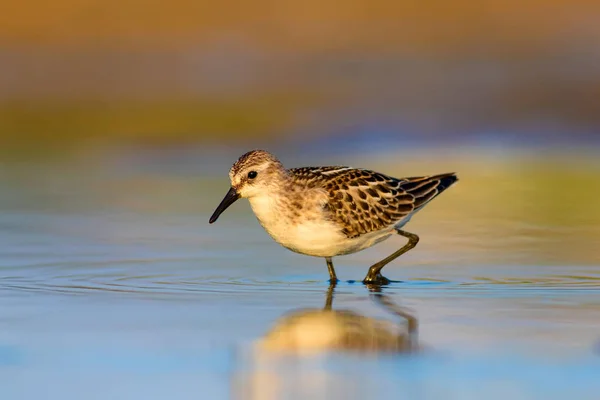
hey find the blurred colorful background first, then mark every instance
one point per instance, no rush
(76, 72)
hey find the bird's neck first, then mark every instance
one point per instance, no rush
(267, 206)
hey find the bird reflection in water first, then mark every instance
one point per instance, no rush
(281, 364)
(309, 331)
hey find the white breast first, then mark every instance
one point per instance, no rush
(311, 233)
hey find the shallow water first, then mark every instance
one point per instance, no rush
(114, 285)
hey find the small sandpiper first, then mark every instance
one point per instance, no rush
(330, 211)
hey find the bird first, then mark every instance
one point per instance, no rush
(330, 211)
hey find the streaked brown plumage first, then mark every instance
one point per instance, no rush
(363, 201)
(330, 211)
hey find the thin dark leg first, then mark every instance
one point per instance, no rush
(329, 298)
(332, 277)
(374, 275)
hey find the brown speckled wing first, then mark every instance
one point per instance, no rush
(363, 201)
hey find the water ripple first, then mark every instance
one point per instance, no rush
(173, 284)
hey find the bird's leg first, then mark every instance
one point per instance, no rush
(332, 277)
(329, 298)
(374, 275)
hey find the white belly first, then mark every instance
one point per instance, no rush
(310, 232)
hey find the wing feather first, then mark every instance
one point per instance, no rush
(363, 201)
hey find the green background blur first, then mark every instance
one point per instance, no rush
(84, 72)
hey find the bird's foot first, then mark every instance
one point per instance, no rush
(376, 279)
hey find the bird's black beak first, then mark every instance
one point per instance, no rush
(228, 200)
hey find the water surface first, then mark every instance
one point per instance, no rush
(113, 285)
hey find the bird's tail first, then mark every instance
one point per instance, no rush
(426, 188)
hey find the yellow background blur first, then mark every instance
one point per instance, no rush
(75, 70)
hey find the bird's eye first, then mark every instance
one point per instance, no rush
(252, 174)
